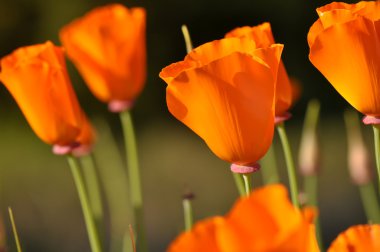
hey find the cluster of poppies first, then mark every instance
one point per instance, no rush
(233, 92)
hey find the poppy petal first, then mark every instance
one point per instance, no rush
(360, 238)
(228, 103)
(202, 237)
(353, 61)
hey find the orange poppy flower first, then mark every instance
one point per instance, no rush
(344, 47)
(224, 92)
(264, 221)
(360, 238)
(107, 46)
(37, 78)
(263, 37)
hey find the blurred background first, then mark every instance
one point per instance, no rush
(39, 187)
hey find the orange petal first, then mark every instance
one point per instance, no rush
(360, 238)
(334, 17)
(260, 34)
(36, 77)
(261, 216)
(368, 9)
(348, 56)
(228, 103)
(328, 18)
(264, 221)
(262, 37)
(107, 46)
(283, 91)
(200, 238)
(217, 49)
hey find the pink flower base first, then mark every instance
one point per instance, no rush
(64, 149)
(117, 106)
(282, 118)
(245, 169)
(370, 120)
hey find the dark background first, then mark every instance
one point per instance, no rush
(38, 185)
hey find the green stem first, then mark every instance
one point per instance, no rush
(311, 188)
(115, 183)
(129, 241)
(134, 178)
(289, 164)
(93, 187)
(270, 172)
(14, 229)
(88, 217)
(370, 202)
(188, 214)
(376, 136)
(239, 183)
(247, 183)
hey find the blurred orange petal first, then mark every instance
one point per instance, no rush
(202, 237)
(360, 238)
(37, 78)
(107, 45)
(264, 221)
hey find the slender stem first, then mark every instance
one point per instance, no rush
(289, 164)
(129, 240)
(370, 202)
(134, 178)
(186, 36)
(14, 229)
(270, 172)
(93, 187)
(88, 217)
(247, 183)
(115, 184)
(239, 183)
(311, 188)
(188, 213)
(376, 136)
(132, 236)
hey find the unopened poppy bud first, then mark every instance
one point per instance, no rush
(358, 161)
(309, 155)
(309, 148)
(358, 164)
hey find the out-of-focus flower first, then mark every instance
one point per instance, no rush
(309, 154)
(264, 221)
(37, 78)
(360, 238)
(344, 47)
(107, 45)
(224, 91)
(359, 164)
(263, 37)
